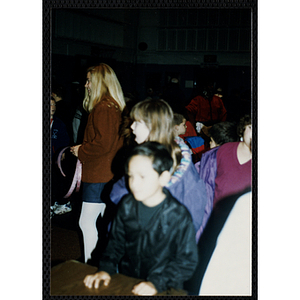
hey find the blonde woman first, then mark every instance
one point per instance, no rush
(104, 102)
(153, 121)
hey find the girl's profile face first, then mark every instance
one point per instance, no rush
(88, 83)
(182, 127)
(140, 130)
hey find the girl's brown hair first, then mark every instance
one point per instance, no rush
(158, 117)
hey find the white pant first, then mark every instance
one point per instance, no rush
(87, 222)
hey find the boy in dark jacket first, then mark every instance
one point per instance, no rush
(152, 237)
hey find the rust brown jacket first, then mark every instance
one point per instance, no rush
(101, 141)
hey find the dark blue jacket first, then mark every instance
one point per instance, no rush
(59, 136)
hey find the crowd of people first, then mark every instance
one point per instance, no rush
(160, 169)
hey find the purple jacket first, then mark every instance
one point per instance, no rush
(188, 190)
(207, 169)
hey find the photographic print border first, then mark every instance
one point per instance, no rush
(47, 11)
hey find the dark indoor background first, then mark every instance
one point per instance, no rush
(147, 47)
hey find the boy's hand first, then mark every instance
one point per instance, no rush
(145, 288)
(96, 278)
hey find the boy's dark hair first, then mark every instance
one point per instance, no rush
(244, 121)
(158, 153)
(223, 132)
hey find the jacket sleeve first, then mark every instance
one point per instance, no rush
(208, 172)
(192, 107)
(191, 192)
(102, 130)
(222, 111)
(115, 249)
(183, 264)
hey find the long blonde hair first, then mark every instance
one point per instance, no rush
(104, 82)
(158, 117)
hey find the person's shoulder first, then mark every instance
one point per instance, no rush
(208, 157)
(198, 97)
(227, 149)
(109, 102)
(126, 206)
(179, 213)
(57, 121)
(210, 152)
(174, 204)
(217, 99)
(127, 200)
(228, 146)
(107, 105)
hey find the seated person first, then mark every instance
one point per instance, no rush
(196, 143)
(220, 133)
(234, 163)
(189, 128)
(180, 127)
(152, 236)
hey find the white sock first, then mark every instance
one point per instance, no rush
(87, 222)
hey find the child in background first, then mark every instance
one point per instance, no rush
(153, 121)
(152, 236)
(196, 143)
(59, 134)
(59, 140)
(221, 133)
(179, 125)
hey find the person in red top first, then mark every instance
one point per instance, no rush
(105, 102)
(190, 130)
(234, 163)
(207, 109)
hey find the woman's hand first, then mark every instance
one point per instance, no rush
(95, 279)
(145, 288)
(74, 150)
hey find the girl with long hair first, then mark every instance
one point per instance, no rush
(153, 121)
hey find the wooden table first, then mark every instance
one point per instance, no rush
(67, 279)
